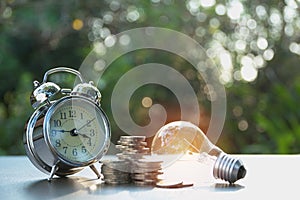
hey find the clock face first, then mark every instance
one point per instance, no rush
(77, 130)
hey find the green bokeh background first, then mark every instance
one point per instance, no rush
(255, 44)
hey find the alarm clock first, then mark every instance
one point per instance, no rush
(68, 130)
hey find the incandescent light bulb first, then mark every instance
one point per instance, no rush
(179, 138)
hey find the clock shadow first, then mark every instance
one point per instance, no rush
(57, 187)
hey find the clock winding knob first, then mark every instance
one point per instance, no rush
(87, 90)
(42, 93)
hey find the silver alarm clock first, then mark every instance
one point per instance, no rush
(68, 130)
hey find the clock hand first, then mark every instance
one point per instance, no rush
(83, 135)
(86, 124)
(62, 131)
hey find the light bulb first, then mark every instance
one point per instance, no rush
(180, 137)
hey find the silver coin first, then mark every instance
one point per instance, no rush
(116, 169)
(115, 163)
(143, 177)
(150, 162)
(142, 183)
(136, 151)
(142, 171)
(116, 182)
(132, 137)
(144, 166)
(129, 156)
(132, 143)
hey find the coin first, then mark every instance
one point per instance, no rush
(131, 165)
(169, 184)
(173, 184)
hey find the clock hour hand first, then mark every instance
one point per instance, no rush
(83, 135)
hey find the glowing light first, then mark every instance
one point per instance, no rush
(132, 14)
(248, 73)
(99, 65)
(237, 111)
(110, 41)
(275, 18)
(268, 54)
(289, 30)
(124, 40)
(7, 13)
(225, 60)
(251, 23)
(243, 125)
(246, 60)
(237, 75)
(147, 102)
(262, 43)
(261, 11)
(100, 49)
(207, 3)
(220, 9)
(225, 77)
(108, 18)
(77, 24)
(259, 61)
(93, 188)
(114, 5)
(240, 45)
(235, 10)
(104, 32)
(214, 23)
(292, 3)
(289, 14)
(200, 31)
(295, 48)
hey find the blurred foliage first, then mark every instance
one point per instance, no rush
(255, 45)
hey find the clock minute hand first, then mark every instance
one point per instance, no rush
(86, 124)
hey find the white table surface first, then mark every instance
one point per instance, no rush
(268, 177)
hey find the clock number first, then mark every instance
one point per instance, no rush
(72, 113)
(63, 115)
(88, 124)
(81, 115)
(74, 152)
(65, 149)
(57, 143)
(53, 133)
(89, 142)
(57, 123)
(92, 132)
(83, 149)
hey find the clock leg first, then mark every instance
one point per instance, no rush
(53, 171)
(95, 171)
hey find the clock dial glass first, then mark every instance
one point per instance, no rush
(77, 130)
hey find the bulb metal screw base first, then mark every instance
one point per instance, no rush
(228, 168)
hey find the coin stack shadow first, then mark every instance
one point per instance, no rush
(132, 166)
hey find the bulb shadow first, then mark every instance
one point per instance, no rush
(226, 187)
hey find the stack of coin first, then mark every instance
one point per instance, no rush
(132, 148)
(132, 166)
(146, 172)
(116, 171)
